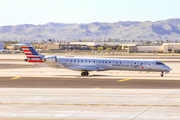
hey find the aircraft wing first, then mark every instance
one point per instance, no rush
(82, 68)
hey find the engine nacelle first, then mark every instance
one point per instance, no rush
(50, 59)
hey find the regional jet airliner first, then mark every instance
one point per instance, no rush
(93, 64)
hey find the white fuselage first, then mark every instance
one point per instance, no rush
(100, 64)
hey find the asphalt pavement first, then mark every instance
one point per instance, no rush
(89, 82)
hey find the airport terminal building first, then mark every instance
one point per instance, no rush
(165, 48)
(133, 47)
(126, 47)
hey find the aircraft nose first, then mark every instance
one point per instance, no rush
(168, 68)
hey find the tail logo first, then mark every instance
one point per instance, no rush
(32, 55)
(142, 65)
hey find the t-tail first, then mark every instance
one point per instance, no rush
(32, 55)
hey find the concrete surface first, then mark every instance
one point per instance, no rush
(89, 104)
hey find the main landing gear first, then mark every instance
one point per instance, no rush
(85, 73)
(162, 74)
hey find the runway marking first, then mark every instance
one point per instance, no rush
(123, 80)
(5, 103)
(16, 77)
(134, 105)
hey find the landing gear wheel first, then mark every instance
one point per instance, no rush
(87, 73)
(83, 73)
(162, 74)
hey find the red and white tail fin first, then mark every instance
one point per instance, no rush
(31, 53)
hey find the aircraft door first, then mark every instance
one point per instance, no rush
(149, 66)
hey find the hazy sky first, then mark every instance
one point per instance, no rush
(13, 12)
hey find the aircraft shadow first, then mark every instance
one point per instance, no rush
(79, 76)
(83, 76)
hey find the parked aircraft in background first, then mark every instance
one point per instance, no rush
(5, 51)
(16, 51)
(85, 65)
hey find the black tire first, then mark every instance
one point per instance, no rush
(87, 73)
(83, 74)
(162, 74)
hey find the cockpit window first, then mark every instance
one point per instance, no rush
(159, 63)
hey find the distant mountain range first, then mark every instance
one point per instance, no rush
(129, 30)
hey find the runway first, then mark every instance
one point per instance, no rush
(88, 82)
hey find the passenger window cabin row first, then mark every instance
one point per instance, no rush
(90, 61)
(87, 61)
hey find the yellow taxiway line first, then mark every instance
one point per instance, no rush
(16, 77)
(123, 80)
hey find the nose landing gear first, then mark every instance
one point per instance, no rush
(85, 73)
(162, 74)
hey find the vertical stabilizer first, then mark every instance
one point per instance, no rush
(31, 54)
